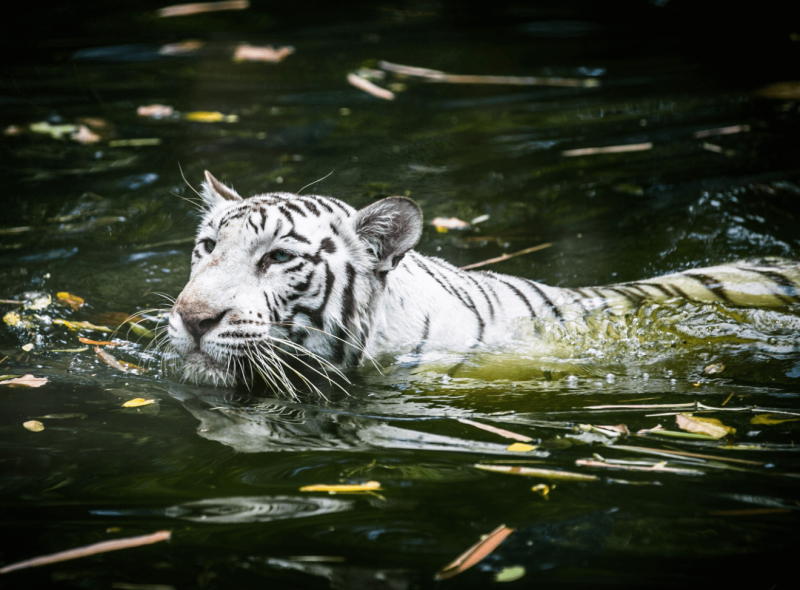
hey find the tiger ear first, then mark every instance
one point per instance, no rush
(214, 192)
(390, 227)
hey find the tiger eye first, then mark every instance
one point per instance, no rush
(208, 245)
(281, 256)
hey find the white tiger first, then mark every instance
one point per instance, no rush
(284, 285)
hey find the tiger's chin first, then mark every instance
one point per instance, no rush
(201, 369)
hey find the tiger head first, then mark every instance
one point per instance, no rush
(285, 285)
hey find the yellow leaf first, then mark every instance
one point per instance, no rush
(27, 381)
(27, 347)
(708, 426)
(73, 301)
(509, 574)
(769, 419)
(75, 326)
(12, 318)
(520, 447)
(369, 486)
(210, 117)
(542, 489)
(139, 401)
(140, 330)
(33, 425)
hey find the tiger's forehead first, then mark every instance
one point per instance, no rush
(262, 213)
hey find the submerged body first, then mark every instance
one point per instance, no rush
(284, 284)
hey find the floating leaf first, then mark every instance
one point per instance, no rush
(714, 369)
(475, 553)
(85, 135)
(27, 347)
(709, 426)
(770, 419)
(33, 425)
(542, 489)
(26, 381)
(137, 402)
(245, 52)
(369, 486)
(536, 472)
(155, 111)
(509, 574)
(520, 447)
(140, 330)
(73, 301)
(442, 224)
(13, 319)
(39, 303)
(210, 117)
(75, 326)
(98, 342)
(116, 363)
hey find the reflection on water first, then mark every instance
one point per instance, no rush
(255, 509)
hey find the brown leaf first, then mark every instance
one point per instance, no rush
(98, 342)
(26, 381)
(116, 363)
(475, 553)
(708, 426)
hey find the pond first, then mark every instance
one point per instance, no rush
(633, 139)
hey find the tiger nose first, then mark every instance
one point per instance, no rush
(202, 322)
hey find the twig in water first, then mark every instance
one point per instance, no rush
(611, 149)
(369, 87)
(437, 76)
(102, 547)
(507, 256)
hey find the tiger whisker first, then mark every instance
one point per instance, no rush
(322, 372)
(315, 182)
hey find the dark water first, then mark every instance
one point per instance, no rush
(110, 222)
